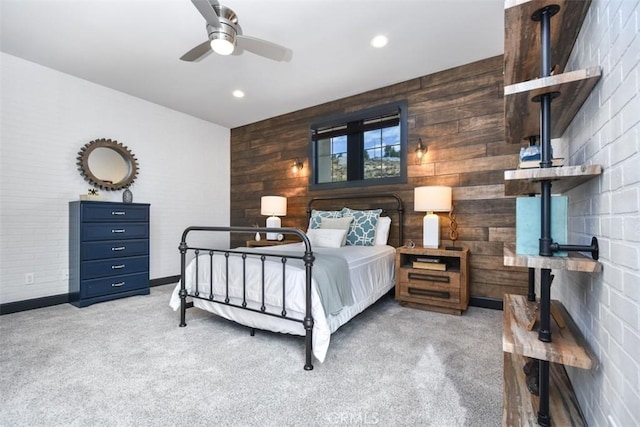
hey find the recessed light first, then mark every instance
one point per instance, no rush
(238, 93)
(379, 41)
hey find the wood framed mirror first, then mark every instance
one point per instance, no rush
(107, 164)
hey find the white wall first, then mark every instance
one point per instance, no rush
(46, 117)
(606, 306)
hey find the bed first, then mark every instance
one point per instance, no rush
(310, 288)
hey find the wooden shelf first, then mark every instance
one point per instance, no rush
(573, 262)
(568, 346)
(520, 408)
(522, 115)
(522, 36)
(527, 181)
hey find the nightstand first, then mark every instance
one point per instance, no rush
(260, 243)
(433, 279)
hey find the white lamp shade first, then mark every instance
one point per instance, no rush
(273, 205)
(436, 198)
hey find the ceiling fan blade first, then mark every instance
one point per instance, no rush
(197, 53)
(264, 48)
(205, 7)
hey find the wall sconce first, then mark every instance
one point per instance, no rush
(421, 150)
(297, 166)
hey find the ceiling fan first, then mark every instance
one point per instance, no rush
(225, 36)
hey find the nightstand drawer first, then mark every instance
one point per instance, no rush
(422, 292)
(428, 278)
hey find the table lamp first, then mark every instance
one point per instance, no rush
(432, 199)
(274, 207)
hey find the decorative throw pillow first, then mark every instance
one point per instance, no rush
(326, 237)
(316, 217)
(363, 228)
(337, 223)
(382, 230)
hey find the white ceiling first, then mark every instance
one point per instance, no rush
(133, 46)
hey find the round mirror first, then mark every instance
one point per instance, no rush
(107, 164)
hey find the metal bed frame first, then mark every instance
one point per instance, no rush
(308, 258)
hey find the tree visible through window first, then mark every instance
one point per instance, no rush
(362, 148)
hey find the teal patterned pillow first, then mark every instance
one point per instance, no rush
(316, 217)
(362, 231)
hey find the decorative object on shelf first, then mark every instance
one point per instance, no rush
(127, 196)
(528, 218)
(453, 231)
(432, 199)
(107, 164)
(421, 150)
(297, 166)
(257, 237)
(274, 207)
(92, 194)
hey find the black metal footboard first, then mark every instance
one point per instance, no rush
(205, 291)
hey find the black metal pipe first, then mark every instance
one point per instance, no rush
(531, 294)
(544, 419)
(183, 291)
(593, 248)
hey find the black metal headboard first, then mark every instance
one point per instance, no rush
(378, 198)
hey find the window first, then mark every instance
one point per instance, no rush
(363, 148)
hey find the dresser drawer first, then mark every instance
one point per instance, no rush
(113, 285)
(114, 212)
(114, 230)
(114, 266)
(114, 248)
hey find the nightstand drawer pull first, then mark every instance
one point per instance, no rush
(119, 248)
(428, 277)
(429, 293)
(117, 285)
(117, 267)
(118, 213)
(118, 230)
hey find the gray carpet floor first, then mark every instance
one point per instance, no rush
(127, 363)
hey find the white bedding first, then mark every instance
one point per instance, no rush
(371, 269)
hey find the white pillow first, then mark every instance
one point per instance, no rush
(337, 224)
(382, 230)
(327, 237)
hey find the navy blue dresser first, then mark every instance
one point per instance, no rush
(108, 251)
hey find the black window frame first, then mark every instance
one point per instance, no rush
(355, 169)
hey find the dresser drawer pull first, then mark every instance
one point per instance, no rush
(119, 248)
(117, 285)
(429, 277)
(118, 213)
(428, 293)
(117, 267)
(118, 230)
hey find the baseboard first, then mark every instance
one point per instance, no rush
(30, 304)
(164, 280)
(484, 302)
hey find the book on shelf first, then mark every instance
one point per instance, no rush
(531, 164)
(428, 265)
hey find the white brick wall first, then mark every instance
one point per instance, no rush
(606, 306)
(45, 118)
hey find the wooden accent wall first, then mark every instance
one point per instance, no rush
(458, 113)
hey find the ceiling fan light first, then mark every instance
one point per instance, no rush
(222, 46)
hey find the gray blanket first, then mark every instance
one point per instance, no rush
(331, 274)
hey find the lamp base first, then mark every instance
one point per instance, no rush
(273, 222)
(431, 231)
